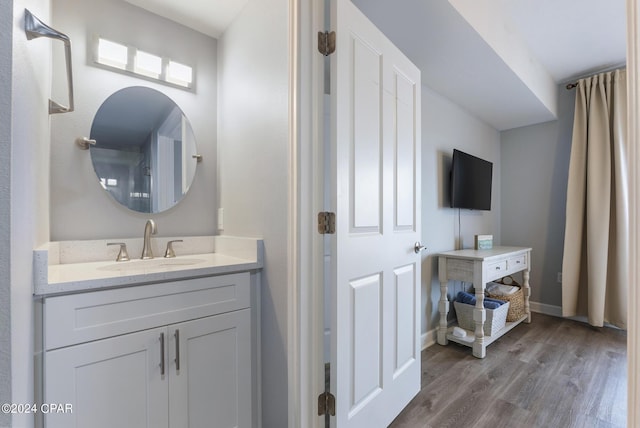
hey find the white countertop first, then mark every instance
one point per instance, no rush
(53, 277)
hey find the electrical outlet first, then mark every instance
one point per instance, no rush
(559, 278)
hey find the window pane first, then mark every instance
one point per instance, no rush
(180, 74)
(147, 64)
(113, 54)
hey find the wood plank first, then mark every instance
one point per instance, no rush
(551, 373)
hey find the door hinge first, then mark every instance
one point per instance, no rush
(326, 42)
(326, 223)
(326, 404)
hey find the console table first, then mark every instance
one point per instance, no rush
(480, 267)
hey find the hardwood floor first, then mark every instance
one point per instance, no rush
(552, 373)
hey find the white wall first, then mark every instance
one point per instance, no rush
(483, 15)
(535, 165)
(6, 28)
(253, 170)
(29, 226)
(80, 209)
(446, 126)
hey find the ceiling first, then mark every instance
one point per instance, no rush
(572, 38)
(210, 17)
(502, 60)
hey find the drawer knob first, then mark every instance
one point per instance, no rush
(497, 267)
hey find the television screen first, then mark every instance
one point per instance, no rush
(470, 182)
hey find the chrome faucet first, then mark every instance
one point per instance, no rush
(149, 229)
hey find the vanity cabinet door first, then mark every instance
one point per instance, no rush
(115, 382)
(211, 388)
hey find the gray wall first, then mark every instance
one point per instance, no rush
(80, 209)
(6, 15)
(535, 165)
(446, 126)
(253, 171)
(29, 223)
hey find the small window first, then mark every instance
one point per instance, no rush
(112, 54)
(140, 63)
(179, 74)
(148, 65)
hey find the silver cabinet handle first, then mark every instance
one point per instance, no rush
(177, 336)
(34, 28)
(161, 354)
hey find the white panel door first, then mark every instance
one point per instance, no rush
(116, 382)
(375, 105)
(210, 372)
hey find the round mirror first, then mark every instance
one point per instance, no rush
(145, 151)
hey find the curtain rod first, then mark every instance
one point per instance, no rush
(575, 84)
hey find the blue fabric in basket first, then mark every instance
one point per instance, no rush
(470, 299)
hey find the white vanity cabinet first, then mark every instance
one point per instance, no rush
(175, 354)
(212, 387)
(110, 382)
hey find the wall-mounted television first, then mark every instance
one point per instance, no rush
(470, 182)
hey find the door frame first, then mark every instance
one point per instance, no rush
(305, 325)
(305, 318)
(633, 325)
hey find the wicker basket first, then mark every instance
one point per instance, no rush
(516, 301)
(494, 322)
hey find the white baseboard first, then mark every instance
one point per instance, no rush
(543, 308)
(428, 339)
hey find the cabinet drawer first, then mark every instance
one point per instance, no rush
(496, 269)
(517, 263)
(461, 270)
(79, 318)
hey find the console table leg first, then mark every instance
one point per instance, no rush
(479, 348)
(479, 316)
(526, 292)
(443, 308)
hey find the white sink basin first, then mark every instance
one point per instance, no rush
(145, 265)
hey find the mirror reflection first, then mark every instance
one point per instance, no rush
(145, 149)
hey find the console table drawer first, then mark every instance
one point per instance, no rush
(516, 264)
(496, 269)
(506, 267)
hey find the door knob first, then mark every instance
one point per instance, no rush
(418, 247)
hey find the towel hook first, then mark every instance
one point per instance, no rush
(35, 28)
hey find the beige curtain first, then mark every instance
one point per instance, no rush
(594, 268)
